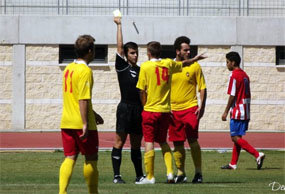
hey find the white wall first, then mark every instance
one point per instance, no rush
(202, 30)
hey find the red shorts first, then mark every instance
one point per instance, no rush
(184, 125)
(72, 144)
(155, 126)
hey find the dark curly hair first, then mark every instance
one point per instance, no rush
(180, 40)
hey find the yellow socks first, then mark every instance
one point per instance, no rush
(90, 172)
(149, 164)
(179, 158)
(166, 151)
(65, 173)
(196, 156)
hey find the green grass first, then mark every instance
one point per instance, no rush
(37, 172)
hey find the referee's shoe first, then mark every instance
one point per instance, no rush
(118, 180)
(198, 178)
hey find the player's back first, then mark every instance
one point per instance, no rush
(157, 77)
(77, 84)
(72, 76)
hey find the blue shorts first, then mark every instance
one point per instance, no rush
(238, 127)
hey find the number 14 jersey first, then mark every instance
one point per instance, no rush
(155, 78)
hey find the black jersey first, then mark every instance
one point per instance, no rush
(128, 78)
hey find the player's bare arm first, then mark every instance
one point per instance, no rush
(83, 106)
(229, 105)
(99, 119)
(200, 57)
(203, 97)
(192, 60)
(120, 49)
(143, 96)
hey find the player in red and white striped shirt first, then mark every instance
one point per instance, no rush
(239, 87)
(239, 106)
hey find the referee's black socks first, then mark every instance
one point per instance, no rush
(137, 161)
(116, 160)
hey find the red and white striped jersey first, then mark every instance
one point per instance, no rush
(240, 88)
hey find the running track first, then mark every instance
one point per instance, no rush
(208, 140)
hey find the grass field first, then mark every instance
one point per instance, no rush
(37, 172)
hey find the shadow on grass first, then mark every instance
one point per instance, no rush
(264, 168)
(225, 182)
(222, 182)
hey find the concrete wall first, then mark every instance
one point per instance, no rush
(42, 98)
(6, 86)
(202, 30)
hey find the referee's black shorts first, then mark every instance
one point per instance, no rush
(129, 119)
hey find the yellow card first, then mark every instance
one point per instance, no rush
(117, 13)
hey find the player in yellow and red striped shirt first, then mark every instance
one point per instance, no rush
(78, 122)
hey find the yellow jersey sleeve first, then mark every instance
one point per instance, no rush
(171, 65)
(84, 85)
(141, 84)
(176, 66)
(201, 84)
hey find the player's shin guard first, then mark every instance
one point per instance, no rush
(235, 154)
(196, 156)
(149, 164)
(65, 173)
(247, 147)
(90, 172)
(166, 151)
(116, 160)
(137, 161)
(179, 158)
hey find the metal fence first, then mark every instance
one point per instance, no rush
(145, 7)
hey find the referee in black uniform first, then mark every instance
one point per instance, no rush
(129, 109)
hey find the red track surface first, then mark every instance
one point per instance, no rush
(208, 140)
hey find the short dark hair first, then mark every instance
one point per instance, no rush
(154, 48)
(180, 40)
(234, 56)
(83, 44)
(130, 45)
